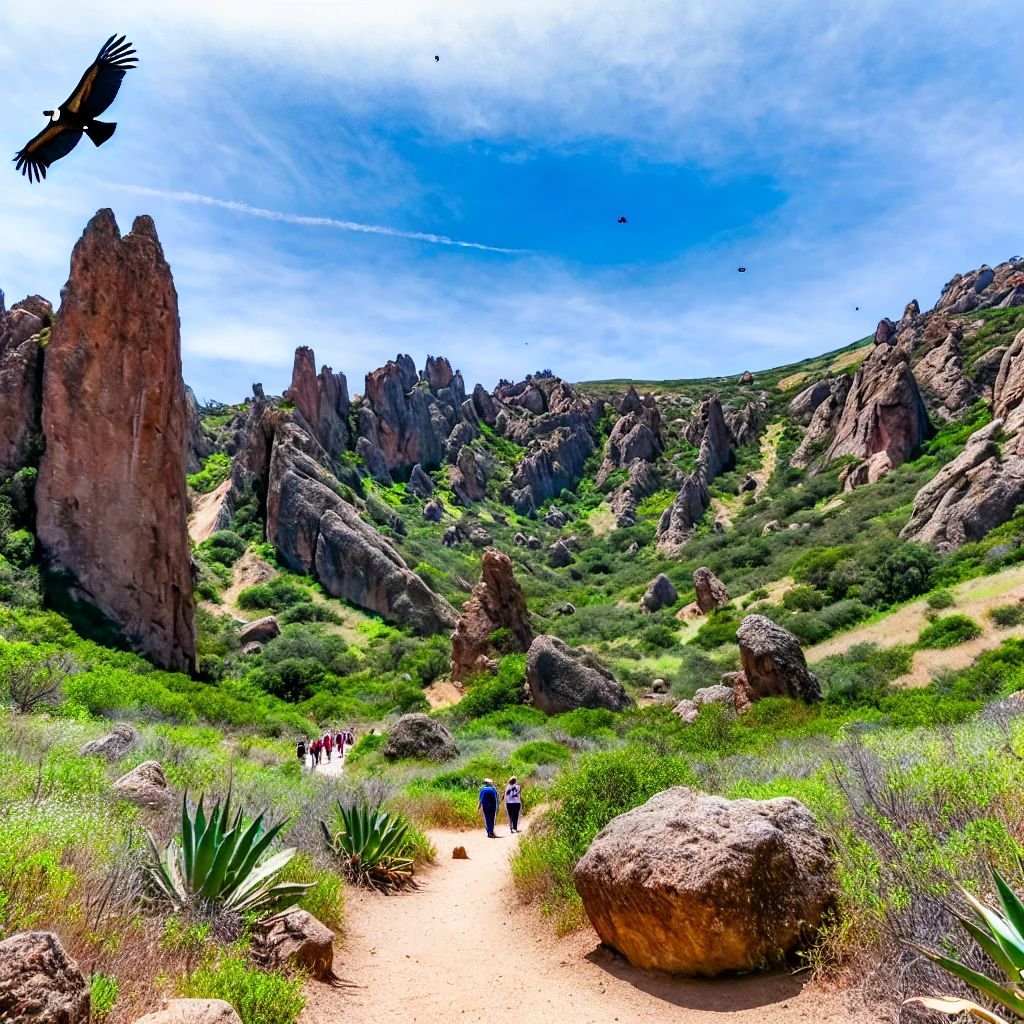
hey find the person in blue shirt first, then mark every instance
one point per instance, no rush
(489, 805)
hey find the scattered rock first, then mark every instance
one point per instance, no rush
(659, 686)
(433, 511)
(296, 939)
(747, 378)
(451, 537)
(773, 662)
(420, 484)
(193, 1011)
(40, 983)
(519, 540)
(121, 740)
(533, 543)
(700, 885)
(659, 594)
(459, 853)
(145, 785)
(260, 630)
(559, 555)
(556, 518)
(560, 678)
(252, 648)
(772, 526)
(421, 737)
(566, 609)
(749, 484)
(711, 591)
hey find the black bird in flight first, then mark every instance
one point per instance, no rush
(436, 57)
(741, 270)
(622, 220)
(78, 113)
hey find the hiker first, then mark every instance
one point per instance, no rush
(300, 751)
(314, 749)
(339, 742)
(489, 805)
(513, 803)
(350, 737)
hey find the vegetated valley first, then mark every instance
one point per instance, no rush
(801, 582)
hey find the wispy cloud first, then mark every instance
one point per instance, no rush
(307, 221)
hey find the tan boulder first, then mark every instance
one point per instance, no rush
(259, 631)
(40, 983)
(145, 785)
(700, 885)
(121, 740)
(711, 591)
(295, 938)
(192, 1011)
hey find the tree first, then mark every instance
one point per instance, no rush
(33, 684)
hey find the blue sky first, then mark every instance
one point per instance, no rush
(848, 154)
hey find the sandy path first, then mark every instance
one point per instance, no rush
(205, 510)
(974, 598)
(462, 949)
(725, 508)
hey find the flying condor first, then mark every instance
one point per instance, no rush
(78, 113)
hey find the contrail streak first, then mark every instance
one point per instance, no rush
(316, 222)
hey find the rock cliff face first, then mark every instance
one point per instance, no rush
(321, 402)
(20, 380)
(941, 374)
(636, 435)
(111, 488)
(197, 445)
(497, 602)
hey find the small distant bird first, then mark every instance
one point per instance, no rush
(436, 57)
(856, 307)
(741, 270)
(78, 113)
(622, 220)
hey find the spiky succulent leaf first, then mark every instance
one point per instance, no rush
(954, 1007)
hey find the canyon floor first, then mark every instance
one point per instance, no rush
(462, 948)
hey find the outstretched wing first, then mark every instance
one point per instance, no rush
(99, 85)
(50, 144)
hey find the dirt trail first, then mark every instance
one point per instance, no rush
(723, 509)
(974, 598)
(205, 510)
(462, 949)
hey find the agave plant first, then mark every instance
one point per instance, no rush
(221, 861)
(1000, 933)
(371, 846)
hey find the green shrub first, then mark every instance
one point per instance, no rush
(949, 631)
(325, 897)
(657, 637)
(586, 723)
(308, 611)
(259, 996)
(102, 995)
(803, 599)
(720, 628)
(939, 599)
(1007, 615)
(493, 693)
(216, 469)
(540, 752)
(276, 595)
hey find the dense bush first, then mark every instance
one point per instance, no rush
(493, 693)
(259, 996)
(276, 595)
(1007, 615)
(949, 631)
(216, 469)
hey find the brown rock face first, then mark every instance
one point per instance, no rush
(467, 477)
(823, 420)
(497, 602)
(20, 384)
(321, 401)
(941, 374)
(700, 885)
(773, 662)
(1008, 392)
(111, 487)
(296, 939)
(711, 591)
(145, 785)
(883, 412)
(39, 982)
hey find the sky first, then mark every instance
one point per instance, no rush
(317, 178)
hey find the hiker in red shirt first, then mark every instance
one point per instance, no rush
(328, 744)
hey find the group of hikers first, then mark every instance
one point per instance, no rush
(323, 746)
(490, 801)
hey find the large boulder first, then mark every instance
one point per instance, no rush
(497, 602)
(711, 591)
(145, 786)
(321, 401)
(773, 663)
(660, 594)
(884, 411)
(688, 507)
(40, 983)
(20, 384)
(560, 678)
(296, 939)
(192, 1011)
(111, 492)
(121, 740)
(259, 631)
(803, 406)
(700, 885)
(467, 477)
(422, 737)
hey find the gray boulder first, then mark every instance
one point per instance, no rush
(121, 740)
(560, 678)
(259, 631)
(659, 594)
(420, 484)
(145, 786)
(40, 983)
(559, 555)
(433, 511)
(421, 737)
(711, 591)
(773, 663)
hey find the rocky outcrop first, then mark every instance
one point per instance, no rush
(636, 435)
(497, 602)
(39, 982)
(421, 737)
(296, 940)
(321, 402)
(433, 511)
(192, 1011)
(420, 484)
(719, 694)
(560, 678)
(559, 555)
(711, 591)
(976, 492)
(198, 445)
(643, 481)
(773, 663)
(20, 384)
(659, 594)
(700, 885)
(467, 478)
(941, 374)
(744, 424)
(317, 532)
(374, 462)
(884, 412)
(1008, 391)
(554, 463)
(984, 288)
(803, 406)
(709, 433)
(259, 631)
(111, 493)
(823, 420)
(121, 740)
(145, 786)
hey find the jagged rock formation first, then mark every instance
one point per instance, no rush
(468, 478)
(828, 403)
(111, 493)
(693, 499)
(711, 591)
(1008, 390)
(636, 435)
(40, 982)
(321, 402)
(497, 602)
(700, 885)
(773, 663)
(744, 424)
(884, 419)
(420, 484)
(422, 737)
(560, 678)
(803, 406)
(643, 480)
(21, 381)
(659, 594)
(198, 445)
(318, 532)
(941, 374)
(984, 288)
